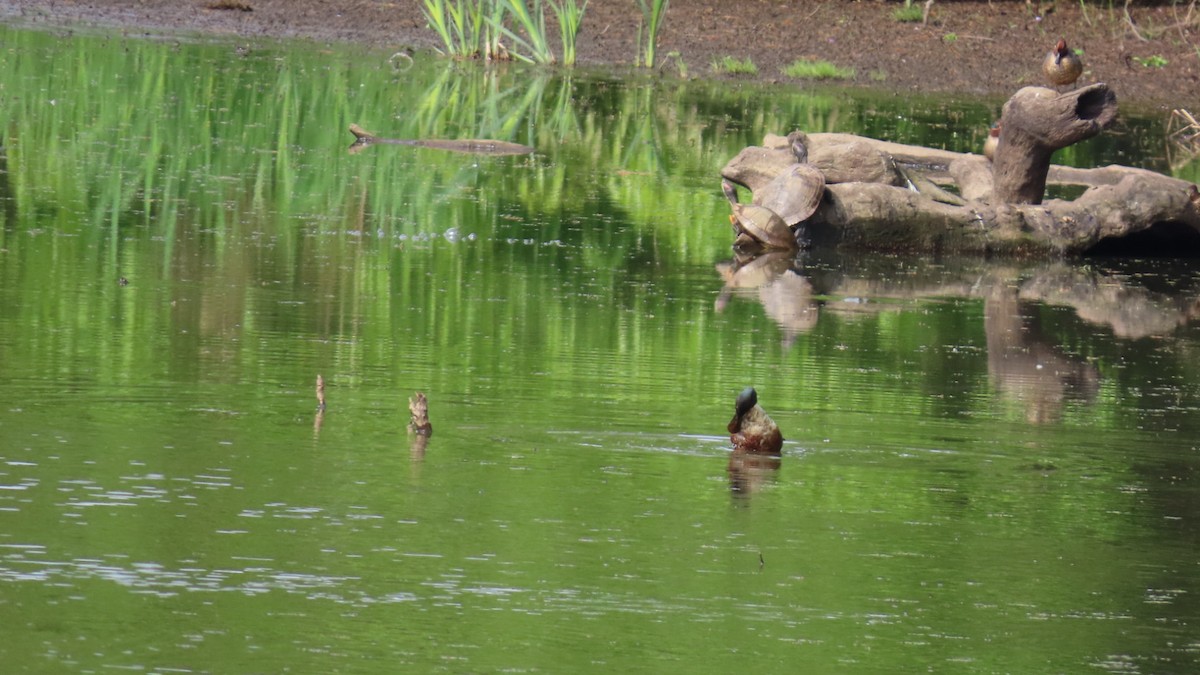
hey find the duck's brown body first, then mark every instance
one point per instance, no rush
(1062, 66)
(418, 409)
(752, 430)
(992, 142)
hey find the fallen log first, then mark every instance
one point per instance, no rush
(933, 162)
(867, 215)
(879, 194)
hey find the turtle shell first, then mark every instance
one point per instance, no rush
(794, 194)
(757, 223)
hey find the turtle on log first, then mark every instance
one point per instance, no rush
(756, 226)
(773, 218)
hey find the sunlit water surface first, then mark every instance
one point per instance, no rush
(989, 467)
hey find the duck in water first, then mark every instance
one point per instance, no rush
(752, 430)
(1062, 66)
(418, 410)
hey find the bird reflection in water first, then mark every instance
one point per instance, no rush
(319, 419)
(419, 426)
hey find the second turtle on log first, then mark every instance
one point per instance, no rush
(793, 195)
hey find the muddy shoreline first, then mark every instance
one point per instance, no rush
(1150, 58)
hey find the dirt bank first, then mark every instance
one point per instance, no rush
(1151, 58)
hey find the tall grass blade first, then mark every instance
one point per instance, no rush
(459, 24)
(653, 12)
(436, 15)
(570, 18)
(535, 48)
(492, 20)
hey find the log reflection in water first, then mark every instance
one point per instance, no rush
(1026, 366)
(1129, 309)
(1025, 363)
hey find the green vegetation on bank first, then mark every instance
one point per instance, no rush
(909, 13)
(570, 20)
(477, 29)
(808, 69)
(474, 28)
(731, 65)
(467, 28)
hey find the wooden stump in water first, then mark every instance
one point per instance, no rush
(1037, 121)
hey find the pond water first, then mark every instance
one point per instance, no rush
(990, 466)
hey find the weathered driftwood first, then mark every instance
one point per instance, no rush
(1037, 121)
(973, 176)
(864, 207)
(933, 162)
(880, 216)
(843, 158)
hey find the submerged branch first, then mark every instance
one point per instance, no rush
(475, 146)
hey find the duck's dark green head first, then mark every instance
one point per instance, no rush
(751, 429)
(745, 401)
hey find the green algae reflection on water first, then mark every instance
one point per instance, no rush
(170, 500)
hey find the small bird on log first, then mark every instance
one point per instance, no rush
(1062, 66)
(752, 430)
(992, 140)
